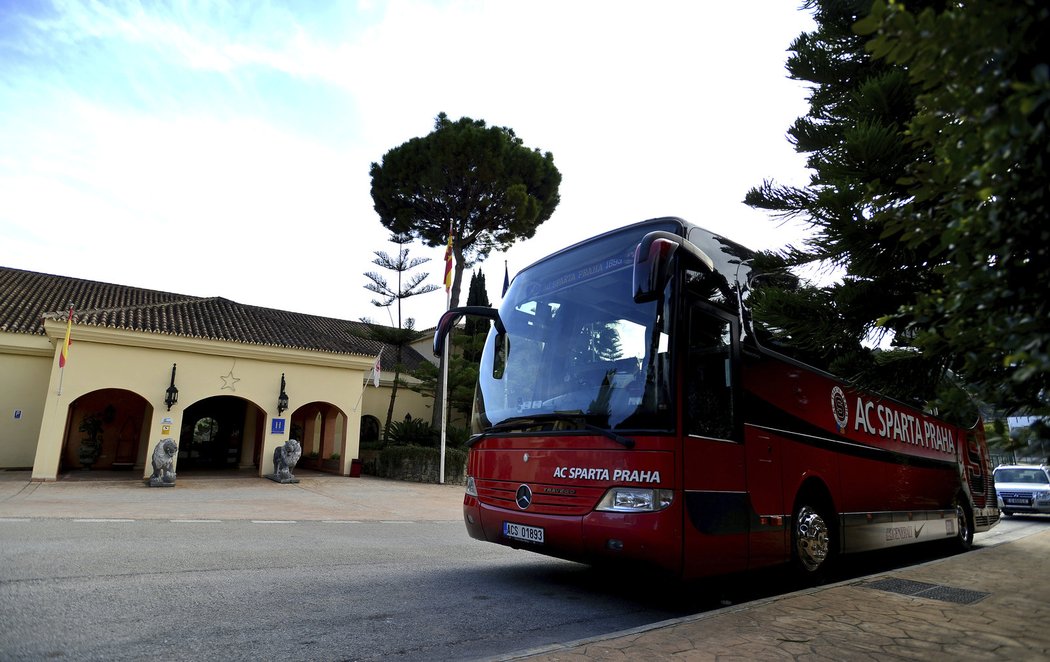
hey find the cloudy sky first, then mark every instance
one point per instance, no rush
(223, 148)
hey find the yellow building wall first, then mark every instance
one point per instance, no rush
(110, 359)
(377, 401)
(25, 367)
(33, 413)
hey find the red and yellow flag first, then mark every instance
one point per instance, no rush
(64, 356)
(448, 264)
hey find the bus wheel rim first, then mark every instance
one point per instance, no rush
(964, 523)
(811, 539)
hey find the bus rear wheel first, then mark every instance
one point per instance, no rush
(810, 541)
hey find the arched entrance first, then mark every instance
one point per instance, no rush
(105, 429)
(320, 428)
(224, 432)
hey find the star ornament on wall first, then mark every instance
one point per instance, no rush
(229, 381)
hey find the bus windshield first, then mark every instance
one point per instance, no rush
(577, 348)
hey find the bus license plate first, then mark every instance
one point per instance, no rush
(521, 532)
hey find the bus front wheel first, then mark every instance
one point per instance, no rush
(811, 541)
(963, 520)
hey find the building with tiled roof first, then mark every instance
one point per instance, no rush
(212, 374)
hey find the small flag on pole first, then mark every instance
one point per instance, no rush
(375, 370)
(506, 278)
(448, 264)
(64, 356)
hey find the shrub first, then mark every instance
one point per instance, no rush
(373, 445)
(411, 431)
(456, 437)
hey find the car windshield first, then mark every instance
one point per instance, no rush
(578, 353)
(1037, 476)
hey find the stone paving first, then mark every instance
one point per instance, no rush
(317, 496)
(1008, 618)
(990, 604)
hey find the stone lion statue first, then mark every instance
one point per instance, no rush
(285, 458)
(163, 459)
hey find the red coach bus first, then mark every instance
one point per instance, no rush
(627, 410)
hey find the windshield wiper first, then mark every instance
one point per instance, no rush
(578, 419)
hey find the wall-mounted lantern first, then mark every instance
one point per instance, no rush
(282, 398)
(171, 396)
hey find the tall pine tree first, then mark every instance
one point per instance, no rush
(480, 182)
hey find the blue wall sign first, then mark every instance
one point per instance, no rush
(277, 426)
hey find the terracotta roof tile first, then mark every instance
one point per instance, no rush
(27, 298)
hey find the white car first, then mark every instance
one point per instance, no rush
(1022, 488)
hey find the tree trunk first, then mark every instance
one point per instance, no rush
(393, 390)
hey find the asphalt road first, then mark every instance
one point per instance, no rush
(310, 590)
(243, 590)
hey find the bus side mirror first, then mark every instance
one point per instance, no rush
(652, 263)
(499, 357)
(449, 319)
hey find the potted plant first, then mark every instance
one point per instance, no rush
(332, 463)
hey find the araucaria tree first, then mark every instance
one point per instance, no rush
(407, 286)
(478, 181)
(857, 149)
(928, 138)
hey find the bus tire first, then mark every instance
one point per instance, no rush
(812, 541)
(964, 522)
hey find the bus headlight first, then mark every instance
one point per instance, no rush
(635, 500)
(472, 489)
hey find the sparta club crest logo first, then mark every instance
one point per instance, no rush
(840, 409)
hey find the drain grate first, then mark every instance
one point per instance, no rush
(960, 596)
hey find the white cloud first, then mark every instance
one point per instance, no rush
(224, 150)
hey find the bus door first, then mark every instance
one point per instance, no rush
(714, 480)
(768, 522)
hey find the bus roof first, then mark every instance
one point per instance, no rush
(728, 256)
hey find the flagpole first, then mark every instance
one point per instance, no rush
(444, 410)
(376, 366)
(444, 358)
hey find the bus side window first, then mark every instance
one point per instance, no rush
(708, 376)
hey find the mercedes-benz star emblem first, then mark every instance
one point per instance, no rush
(524, 497)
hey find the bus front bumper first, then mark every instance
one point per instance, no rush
(652, 538)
